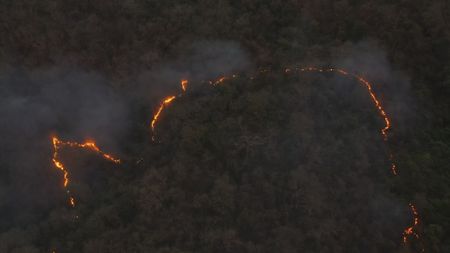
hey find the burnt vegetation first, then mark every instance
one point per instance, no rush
(265, 162)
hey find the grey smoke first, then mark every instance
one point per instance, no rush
(75, 105)
(36, 104)
(393, 87)
(201, 61)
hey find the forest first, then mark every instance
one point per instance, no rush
(255, 151)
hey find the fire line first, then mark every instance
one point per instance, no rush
(58, 144)
(411, 230)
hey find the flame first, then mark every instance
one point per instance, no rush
(410, 230)
(168, 100)
(393, 165)
(368, 86)
(394, 169)
(165, 103)
(219, 80)
(407, 233)
(384, 132)
(58, 144)
(184, 84)
(376, 101)
(72, 201)
(378, 106)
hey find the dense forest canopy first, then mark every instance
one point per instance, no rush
(268, 161)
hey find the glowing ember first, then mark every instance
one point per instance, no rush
(58, 144)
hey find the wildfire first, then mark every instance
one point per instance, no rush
(165, 103)
(393, 165)
(72, 201)
(381, 111)
(384, 132)
(368, 86)
(184, 84)
(58, 144)
(219, 80)
(410, 231)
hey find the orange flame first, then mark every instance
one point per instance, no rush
(219, 80)
(411, 229)
(384, 131)
(184, 84)
(368, 86)
(165, 103)
(72, 201)
(58, 144)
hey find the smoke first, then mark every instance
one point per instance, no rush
(367, 58)
(201, 61)
(36, 104)
(393, 88)
(76, 105)
(209, 59)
